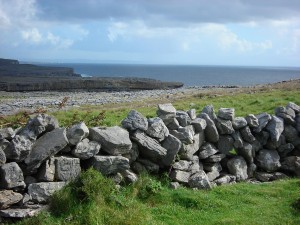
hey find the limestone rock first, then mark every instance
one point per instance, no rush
(212, 175)
(8, 198)
(187, 151)
(41, 192)
(209, 110)
(133, 154)
(275, 127)
(196, 165)
(184, 134)
(211, 132)
(239, 122)
(224, 126)
(183, 165)
(247, 152)
(11, 176)
(48, 145)
(215, 158)
(20, 213)
(46, 171)
(247, 135)
(237, 139)
(298, 123)
(209, 167)
(7, 133)
(226, 179)
(149, 166)
(86, 149)
(180, 176)
(38, 125)
(268, 160)
(237, 166)
(172, 124)
(108, 164)
(263, 120)
(183, 118)
(166, 111)
(2, 157)
(293, 106)
(225, 144)
(291, 164)
(252, 121)
(174, 185)
(199, 180)
(19, 149)
(226, 113)
(207, 150)
(134, 121)
(263, 176)
(172, 145)
(114, 140)
(251, 170)
(291, 135)
(287, 114)
(157, 129)
(284, 150)
(77, 132)
(262, 137)
(129, 176)
(149, 147)
(67, 168)
(199, 124)
(192, 113)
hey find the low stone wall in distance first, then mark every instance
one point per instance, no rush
(197, 150)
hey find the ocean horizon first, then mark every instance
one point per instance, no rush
(189, 75)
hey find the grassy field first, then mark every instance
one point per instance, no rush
(244, 102)
(92, 199)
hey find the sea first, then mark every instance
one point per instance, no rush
(187, 74)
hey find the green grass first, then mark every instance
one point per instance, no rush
(93, 199)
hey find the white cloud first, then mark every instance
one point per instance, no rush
(32, 35)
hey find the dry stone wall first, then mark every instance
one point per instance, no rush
(199, 150)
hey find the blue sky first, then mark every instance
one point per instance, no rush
(201, 32)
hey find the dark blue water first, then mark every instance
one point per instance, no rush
(190, 75)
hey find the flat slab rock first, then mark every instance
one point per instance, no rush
(40, 192)
(8, 198)
(21, 213)
(114, 140)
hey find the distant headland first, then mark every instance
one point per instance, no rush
(15, 76)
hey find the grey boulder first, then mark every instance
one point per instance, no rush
(237, 166)
(157, 129)
(239, 122)
(199, 124)
(183, 118)
(48, 145)
(275, 127)
(209, 110)
(225, 144)
(293, 106)
(226, 113)
(108, 165)
(184, 134)
(20, 148)
(134, 121)
(287, 114)
(7, 133)
(211, 132)
(77, 132)
(207, 150)
(2, 157)
(11, 176)
(247, 135)
(67, 168)
(180, 176)
(199, 180)
(192, 113)
(172, 145)
(263, 120)
(268, 160)
(8, 198)
(166, 111)
(149, 147)
(224, 126)
(252, 121)
(86, 149)
(38, 125)
(41, 192)
(114, 140)
(46, 171)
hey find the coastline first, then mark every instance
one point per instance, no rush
(13, 102)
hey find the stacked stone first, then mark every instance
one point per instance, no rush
(199, 151)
